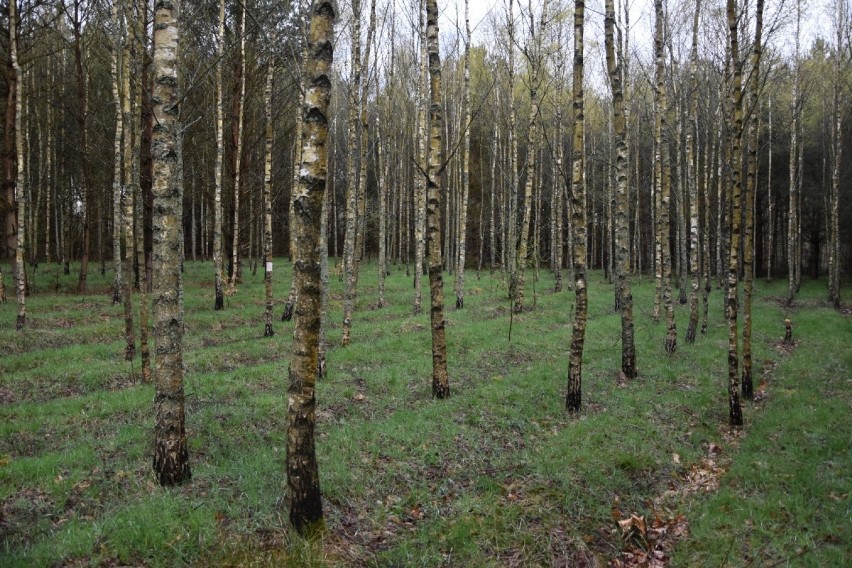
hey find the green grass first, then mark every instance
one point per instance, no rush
(497, 474)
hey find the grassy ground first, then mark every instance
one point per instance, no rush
(499, 474)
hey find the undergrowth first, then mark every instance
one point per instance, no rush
(498, 474)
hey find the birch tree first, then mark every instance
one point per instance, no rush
(534, 56)
(237, 133)
(352, 171)
(692, 178)
(662, 172)
(622, 164)
(837, 147)
(116, 68)
(171, 457)
(218, 261)
(20, 188)
(268, 331)
(303, 487)
(794, 237)
(465, 174)
(748, 201)
(573, 399)
(735, 411)
(440, 381)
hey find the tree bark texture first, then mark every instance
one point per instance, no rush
(268, 331)
(692, 179)
(352, 172)
(748, 203)
(662, 168)
(735, 411)
(19, 186)
(573, 398)
(303, 487)
(622, 219)
(237, 128)
(218, 260)
(171, 458)
(465, 174)
(440, 381)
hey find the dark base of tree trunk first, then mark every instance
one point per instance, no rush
(129, 352)
(628, 369)
(268, 331)
(66, 268)
(306, 516)
(671, 343)
(681, 299)
(736, 414)
(321, 366)
(459, 302)
(288, 312)
(748, 386)
(788, 331)
(690, 331)
(557, 287)
(116, 293)
(440, 391)
(573, 401)
(171, 462)
(20, 322)
(220, 301)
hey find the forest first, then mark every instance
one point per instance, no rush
(630, 221)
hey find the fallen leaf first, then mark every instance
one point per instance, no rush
(359, 397)
(676, 458)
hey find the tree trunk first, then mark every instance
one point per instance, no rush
(465, 174)
(382, 181)
(735, 412)
(237, 135)
(692, 179)
(793, 232)
(290, 303)
(512, 205)
(303, 488)
(421, 144)
(748, 201)
(770, 215)
(834, 195)
(352, 153)
(125, 232)
(267, 199)
(440, 381)
(171, 458)
(20, 189)
(82, 119)
(622, 214)
(535, 56)
(117, 68)
(218, 260)
(662, 168)
(573, 399)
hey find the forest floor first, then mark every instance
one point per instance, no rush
(647, 474)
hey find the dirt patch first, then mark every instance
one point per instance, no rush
(784, 347)
(20, 513)
(7, 397)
